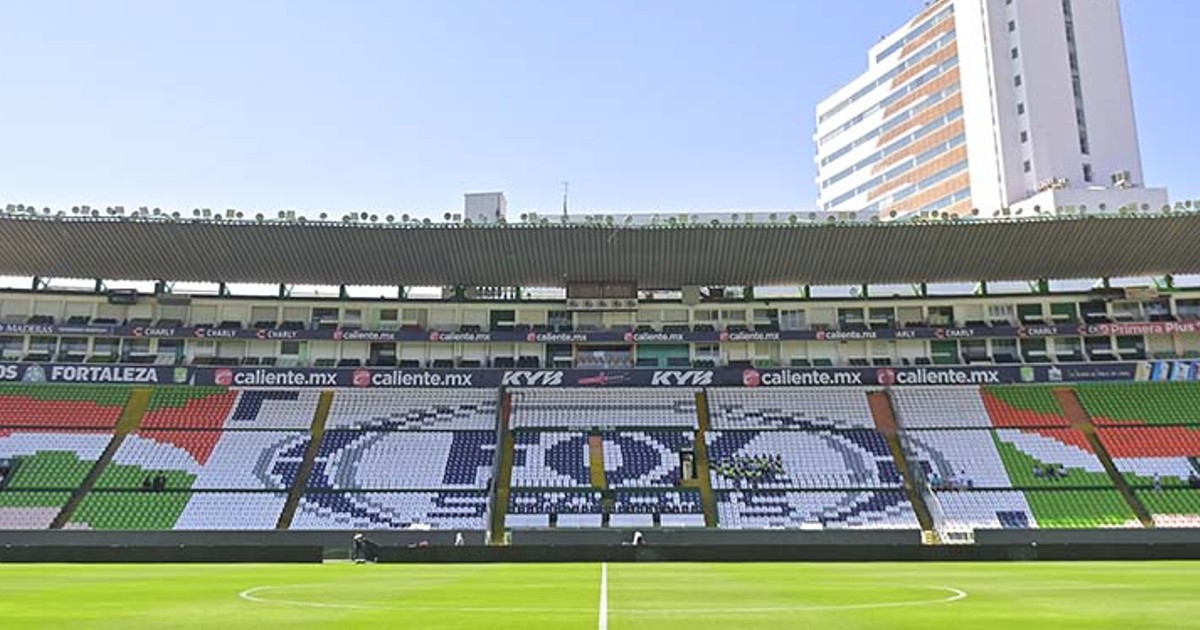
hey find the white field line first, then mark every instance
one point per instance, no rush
(604, 596)
(251, 595)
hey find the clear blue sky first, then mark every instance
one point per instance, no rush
(402, 105)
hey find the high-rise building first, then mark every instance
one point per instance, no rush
(1022, 105)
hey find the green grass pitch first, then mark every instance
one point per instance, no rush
(666, 596)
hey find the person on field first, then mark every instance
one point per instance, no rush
(363, 550)
(638, 539)
(458, 539)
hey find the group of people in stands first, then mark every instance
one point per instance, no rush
(154, 483)
(1049, 471)
(954, 482)
(750, 468)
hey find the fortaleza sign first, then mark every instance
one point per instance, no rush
(687, 378)
(603, 336)
(95, 374)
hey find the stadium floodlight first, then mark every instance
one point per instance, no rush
(196, 212)
(391, 218)
(405, 218)
(258, 217)
(324, 216)
(374, 218)
(363, 216)
(240, 215)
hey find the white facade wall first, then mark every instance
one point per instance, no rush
(1022, 134)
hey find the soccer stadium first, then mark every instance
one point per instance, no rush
(911, 414)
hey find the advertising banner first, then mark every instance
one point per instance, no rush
(93, 374)
(603, 336)
(715, 377)
(390, 378)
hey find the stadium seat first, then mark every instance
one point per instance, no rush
(815, 510)
(732, 408)
(61, 406)
(571, 408)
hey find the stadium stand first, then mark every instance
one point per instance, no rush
(415, 409)
(392, 510)
(218, 460)
(404, 460)
(408, 459)
(585, 409)
(644, 459)
(1116, 404)
(550, 459)
(983, 509)
(561, 509)
(806, 510)
(789, 409)
(61, 406)
(1141, 453)
(857, 458)
(644, 508)
(984, 457)
(1172, 508)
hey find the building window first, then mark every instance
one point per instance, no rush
(1017, 80)
(1087, 172)
(1028, 166)
(1012, 25)
(1020, 109)
(1024, 137)
(1015, 53)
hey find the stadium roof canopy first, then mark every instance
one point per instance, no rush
(552, 255)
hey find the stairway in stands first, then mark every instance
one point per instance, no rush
(1081, 421)
(707, 497)
(596, 472)
(502, 482)
(131, 419)
(885, 422)
(316, 434)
